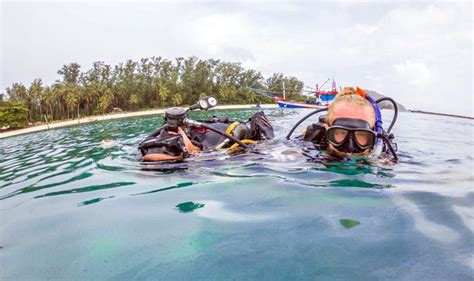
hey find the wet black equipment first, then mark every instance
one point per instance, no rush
(316, 133)
(161, 141)
(174, 117)
(383, 140)
(351, 135)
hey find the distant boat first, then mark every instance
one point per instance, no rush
(294, 104)
(323, 98)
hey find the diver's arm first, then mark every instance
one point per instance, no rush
(161, 157)
(190, 147)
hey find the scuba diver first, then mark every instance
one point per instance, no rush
(352, 127)
(181, 136)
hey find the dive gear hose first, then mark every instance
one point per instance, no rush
(395, 109)
(246, 141)
(204, 125)
(302, 120)
(390, 147)
(231, 127)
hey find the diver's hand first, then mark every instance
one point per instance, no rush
(316, 133)
(190, 147)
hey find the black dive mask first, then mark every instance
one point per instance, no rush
(351, 135)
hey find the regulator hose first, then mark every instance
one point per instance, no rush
(246, 141)
(302, 119)
(378, 115)
(395, 109)
(390, 147)
(204, 125)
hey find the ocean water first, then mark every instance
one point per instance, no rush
(73, 209)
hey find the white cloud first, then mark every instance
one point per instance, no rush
(392, 48)
(366, 29)
(416, 73)
(223, 36)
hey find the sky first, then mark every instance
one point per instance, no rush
(419, 53)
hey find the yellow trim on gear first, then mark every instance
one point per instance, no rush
(228, 131)
(219, 146)
(231, 127)
(246, 141)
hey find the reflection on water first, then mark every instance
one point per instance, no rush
(348, 223)
(187, 207)
(75, 208)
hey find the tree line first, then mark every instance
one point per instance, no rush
(135, 85)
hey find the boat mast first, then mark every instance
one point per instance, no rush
(284, 93)
(324, 83)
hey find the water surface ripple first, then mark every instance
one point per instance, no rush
(74, 209)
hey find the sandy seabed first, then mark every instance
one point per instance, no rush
(97, 118)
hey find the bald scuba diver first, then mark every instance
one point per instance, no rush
(352, 127)
(181, 137)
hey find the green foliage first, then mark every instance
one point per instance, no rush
(13, 115)
(293, 86)
(147, 83)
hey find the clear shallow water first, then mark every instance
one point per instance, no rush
(72, 209)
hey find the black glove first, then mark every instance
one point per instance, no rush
(316, 133)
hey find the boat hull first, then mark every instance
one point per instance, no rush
(292, 104)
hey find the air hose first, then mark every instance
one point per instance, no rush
(302, 120)
(395, 109)
(228, 131)
(231, 127)
(378, 122)
(204, 125)
(246, 141)
(390, 147)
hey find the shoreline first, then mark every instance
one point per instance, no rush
(98, 118)
(441, 114)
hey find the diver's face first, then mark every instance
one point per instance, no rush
(351, 111)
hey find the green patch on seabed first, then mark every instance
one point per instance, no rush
(187, 207)
(347, 223)
(93, 201)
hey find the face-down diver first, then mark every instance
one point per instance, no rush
(181, 137)
(352, 127)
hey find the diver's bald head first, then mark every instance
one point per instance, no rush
(349, 104)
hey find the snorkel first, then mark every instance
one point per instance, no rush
(378, 146)
(382, 136)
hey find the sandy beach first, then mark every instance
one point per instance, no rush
(98, 118)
